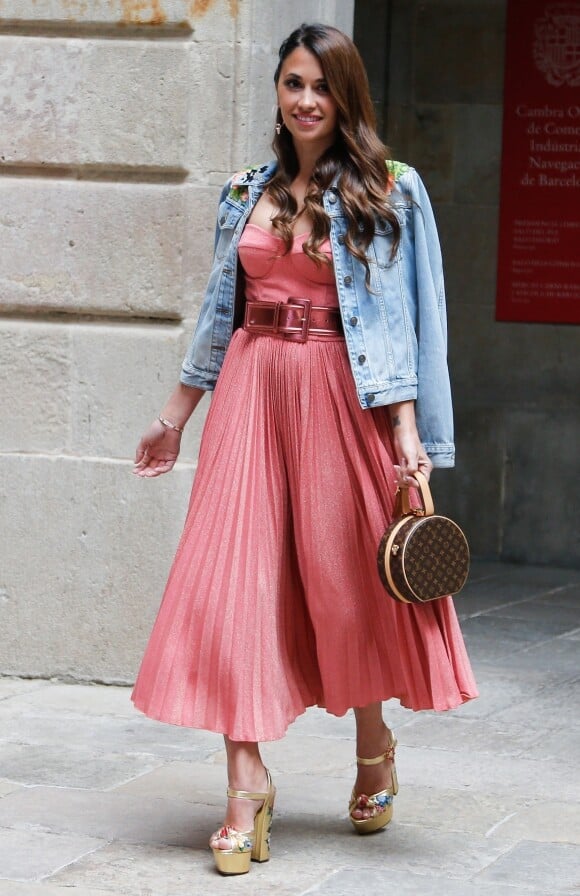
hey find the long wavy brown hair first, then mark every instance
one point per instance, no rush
(356, 161)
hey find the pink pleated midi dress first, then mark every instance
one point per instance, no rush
(273, 601)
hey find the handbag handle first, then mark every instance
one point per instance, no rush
(403, 507)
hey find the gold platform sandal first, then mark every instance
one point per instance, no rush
(379, 804)
(246, 846)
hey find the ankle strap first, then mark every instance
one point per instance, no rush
(248, 794)
(388, 754)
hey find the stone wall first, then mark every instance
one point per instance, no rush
(119, 121)
(437, 72)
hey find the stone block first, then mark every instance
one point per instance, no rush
(54, 698)
(370, 26)
(86, 550)
(510, 366)
(42, 888)
(124, 15)
(79, 768)
(549, 582)
(477, 133)
(217, 80)
(107, 419)
(207, 19)
(541, 613)
(413, 882)
(193, 782)
(204, 783)
(546, 867)
(88, 390)
(35, 373)
(492, 598)
(532, 513)
(93, 103)
(175, 823)
(562, 743)
(107, 816)
(499, 691)
(320, 755)
(470, 735)
(339, 13)
(155, 870)
(401, 848)
(487, 570)
(474, 501)
(459, 50)
(499, 634)
(467, 772)
(17, 687)
(558, 658)
(7, 787)
(91, 248)
(546, 703)
(401, 53)
(469, 244)
(132, 735)
(423, 136)
(33, 854)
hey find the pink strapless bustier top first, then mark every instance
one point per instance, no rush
(272, 276)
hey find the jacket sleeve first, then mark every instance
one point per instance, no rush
(433, 409)
(200, 366)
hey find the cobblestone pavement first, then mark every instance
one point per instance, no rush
(95, 799)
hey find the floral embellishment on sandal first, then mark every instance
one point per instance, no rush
(377, 803)
(240, 182)
(239, 840)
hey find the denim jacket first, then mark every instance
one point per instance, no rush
(395, 332)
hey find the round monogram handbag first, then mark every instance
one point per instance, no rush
(422, 556)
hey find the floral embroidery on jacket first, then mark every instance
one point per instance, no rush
(395, 171)
(240, 182)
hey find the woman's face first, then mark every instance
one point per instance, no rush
(308, 109)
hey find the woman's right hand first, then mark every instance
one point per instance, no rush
(157, 451)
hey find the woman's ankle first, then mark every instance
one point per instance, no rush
(246, 770)
(370, 743)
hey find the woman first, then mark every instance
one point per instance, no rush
(335, 385)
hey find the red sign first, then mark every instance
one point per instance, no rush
(539, 233)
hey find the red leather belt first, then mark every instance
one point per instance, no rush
(295, 319)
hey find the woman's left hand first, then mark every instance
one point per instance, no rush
(409, 449)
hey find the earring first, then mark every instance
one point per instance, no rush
(278, 128)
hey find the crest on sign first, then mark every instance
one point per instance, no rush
(557, 44)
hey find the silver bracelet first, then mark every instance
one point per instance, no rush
(169, 425)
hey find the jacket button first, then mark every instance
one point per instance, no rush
(332, 198)
(347, 280)
(341, 240)
(362, 359)
(353, 321)
(370, 398)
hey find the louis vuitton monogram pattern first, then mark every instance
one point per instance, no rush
(423, 558)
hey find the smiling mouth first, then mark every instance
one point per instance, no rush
(307, 119)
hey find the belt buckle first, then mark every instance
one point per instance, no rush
(306, 304)
(276, 321)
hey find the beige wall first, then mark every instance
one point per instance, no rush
(119, 121)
